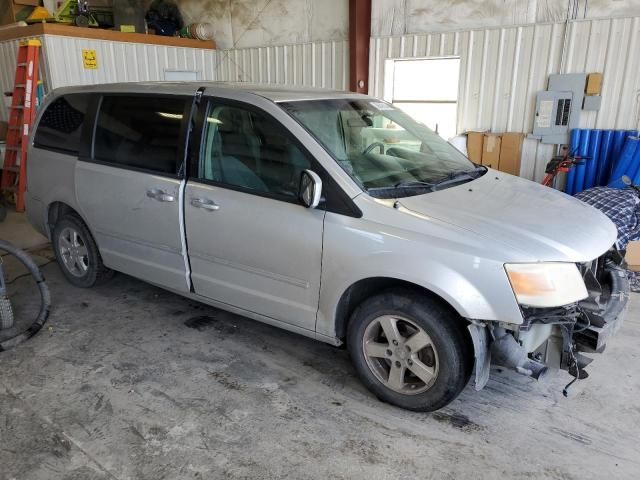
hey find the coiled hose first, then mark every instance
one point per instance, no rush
(45, 297)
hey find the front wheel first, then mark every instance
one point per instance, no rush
(410, 350)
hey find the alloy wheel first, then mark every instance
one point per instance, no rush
(400, 354)
(73, 251)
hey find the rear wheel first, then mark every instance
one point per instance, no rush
(410, 350)
(77, 253)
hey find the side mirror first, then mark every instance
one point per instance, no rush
(310, 189)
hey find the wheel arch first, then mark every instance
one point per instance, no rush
(365, 288)
(58, 209)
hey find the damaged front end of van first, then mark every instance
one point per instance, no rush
(558, 338)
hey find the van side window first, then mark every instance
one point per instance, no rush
(60, 126)
(140, 132)
(251, 150)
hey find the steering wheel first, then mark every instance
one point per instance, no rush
(372, 146)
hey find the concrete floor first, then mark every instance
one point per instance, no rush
(128, 381)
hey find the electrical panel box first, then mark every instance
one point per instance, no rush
(553, 115)
(558, 108)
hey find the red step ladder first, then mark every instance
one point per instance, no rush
(22, 113)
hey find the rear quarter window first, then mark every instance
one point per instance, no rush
(60, 126)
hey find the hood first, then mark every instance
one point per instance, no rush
(539, 221)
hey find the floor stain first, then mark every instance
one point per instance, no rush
(200, 323)
(456, 420)
(225, 380)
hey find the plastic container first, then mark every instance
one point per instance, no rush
(605, 158)
(593, 153)
(583, 151)
(625, 162)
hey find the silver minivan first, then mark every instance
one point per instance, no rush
(334, 215)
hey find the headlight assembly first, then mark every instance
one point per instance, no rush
(550, 284)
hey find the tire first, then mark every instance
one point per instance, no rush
(77, 253)
(426, 338)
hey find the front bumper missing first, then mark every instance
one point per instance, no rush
(585, 327)
(608, 315)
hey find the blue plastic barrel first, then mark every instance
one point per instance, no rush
(570, 186)
(583, 151)
(619, 137)
(635, 165)
(594, 159)
(625, 162)
(604, 165)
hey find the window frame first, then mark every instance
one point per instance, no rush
(389, 94)
(334, 198)
(89, 133)
(81, 139)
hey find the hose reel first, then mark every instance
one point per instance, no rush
(7, 316)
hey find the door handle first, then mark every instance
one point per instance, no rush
(160, 195)
(205, 203)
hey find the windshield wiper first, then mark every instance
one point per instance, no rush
(413, 183)
(451, 178)
(459, 175)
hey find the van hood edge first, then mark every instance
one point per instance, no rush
(540, 221)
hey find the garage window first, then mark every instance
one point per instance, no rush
(61, 124)
(141, 132)
(427, 89)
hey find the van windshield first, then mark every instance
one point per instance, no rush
(383, 149)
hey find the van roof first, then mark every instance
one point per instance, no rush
(275, 93)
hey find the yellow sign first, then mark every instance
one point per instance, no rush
(90, 59)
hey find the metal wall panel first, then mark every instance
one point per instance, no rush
(317, 64)
(610, 46)
(121, 61)
(502, 69)
(61, 62)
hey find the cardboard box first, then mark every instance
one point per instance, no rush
(511, 152)
(594, 84)
(474, 146)
(632, 256)
(491, 150)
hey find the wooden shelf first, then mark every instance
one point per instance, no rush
(99, 34)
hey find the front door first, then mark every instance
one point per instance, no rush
(129, 187)
(251, 243)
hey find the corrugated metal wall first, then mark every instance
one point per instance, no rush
(502, 69)
(318, 64)
(61, 63)
(613, 47)
(120, 61)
